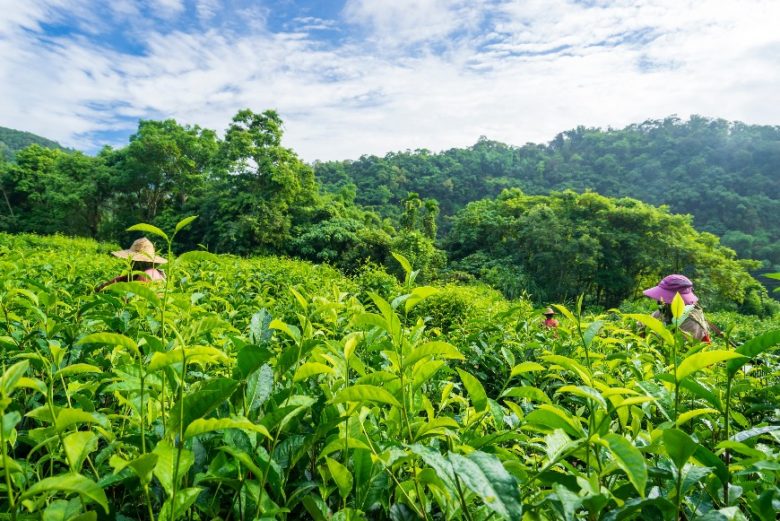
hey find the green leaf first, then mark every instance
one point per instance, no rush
(173, 510)
(403, 261)
(679, 446)
(484, 475)
(654, 325)
(554, 417)
(67, 417)
(365, 393)
(586, 392)
(751, 348)
(166, 465)
(572, 365)
(148, 228)
(591, 332)
(78, 445)
(526, 367)
(201, 402)
(629, 459)
(144, 466)
(203, 355)
(196, 256)
(259, 385)
(135, 288)
(527, 392)
(12, 375)
(184, 222)
(72, 484)
(752, 433)
(439, 463)
(678, 306)
(310, 369)
(341, 476)
(78, 369)
(418, 295)
(201, 426)
(565, 312)
(476, 392)
(689, 415)
(701, 360)
(436, 348)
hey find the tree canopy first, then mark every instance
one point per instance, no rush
(560, 245)
(725, 174)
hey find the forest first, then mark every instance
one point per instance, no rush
(550, 235)
(725, 174)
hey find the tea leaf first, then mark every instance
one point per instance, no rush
(365, 393)
(77, 446)
(699, 361)
(654, 325)
(201, 426)
(69, 483)
(11, 377)
(678, 306)
(166, 465)
(679, 446)
(629, 459)
(436, 348)
(134, 288)
(751, 348)
(527, 392)
(310, 369)
(476, 392)
(148, 228)
(687, 416)
(484, 475)
(526, 367)
(173, 509)
(341, 475)
(259, 385)
(183, 223)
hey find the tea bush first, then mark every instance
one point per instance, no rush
(276, 389)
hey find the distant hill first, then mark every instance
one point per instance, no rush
(11, 141)
(726, 174)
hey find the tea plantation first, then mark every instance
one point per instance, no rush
(268, 388)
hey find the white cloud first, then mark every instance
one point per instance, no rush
(430, 74)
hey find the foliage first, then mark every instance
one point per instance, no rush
(270, 389)
(723, 173)
(563, 244)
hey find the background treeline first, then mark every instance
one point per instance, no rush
(256, 197)
(726, 174)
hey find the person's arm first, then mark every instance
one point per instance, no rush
(121, 278)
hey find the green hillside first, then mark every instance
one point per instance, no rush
(12, 141)
(726, 174)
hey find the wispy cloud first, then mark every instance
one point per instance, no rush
(381, 76)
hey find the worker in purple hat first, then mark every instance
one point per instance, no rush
(695, 324)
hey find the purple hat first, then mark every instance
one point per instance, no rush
(669, 286)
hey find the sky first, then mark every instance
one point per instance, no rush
(354, 77)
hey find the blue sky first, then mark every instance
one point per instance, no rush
(353, 77)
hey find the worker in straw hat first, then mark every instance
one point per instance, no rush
(695, 324)
(549, 321)
(143, 263)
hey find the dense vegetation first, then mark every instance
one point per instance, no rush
(726, 174)
(564, 244)
(274, 389)
(255, 196)
(12, 141)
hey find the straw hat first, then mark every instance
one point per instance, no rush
(142, 250)
(548, 311)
